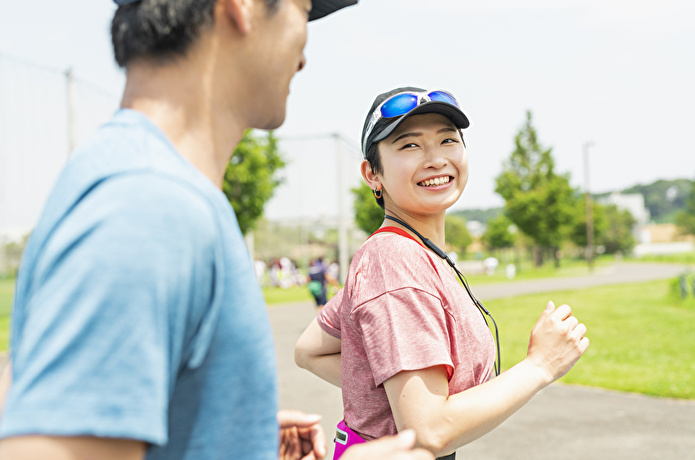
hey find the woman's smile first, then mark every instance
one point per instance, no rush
(438, 182)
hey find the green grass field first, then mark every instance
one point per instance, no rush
(642, 336)
(6, 290)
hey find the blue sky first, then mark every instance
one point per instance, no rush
(617, 73)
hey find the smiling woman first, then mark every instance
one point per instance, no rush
(409, 347)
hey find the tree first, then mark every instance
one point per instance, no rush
(251, 177)
(685, 219)
(617, 235)
(497, 234)
(540, 202)
(457, 235)
(368, 214)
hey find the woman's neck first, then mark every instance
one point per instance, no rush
(431, 227)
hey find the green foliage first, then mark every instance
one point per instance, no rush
(540, 202)
(663, 197)
(617, 236)
(251, 177)
(685, 219)
(457, 235)
(368, 214)
(481, 215)
(497, 234)
(682, 291)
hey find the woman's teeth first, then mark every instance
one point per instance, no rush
(435, 181)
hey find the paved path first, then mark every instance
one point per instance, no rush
(614, 274)
(560, 423)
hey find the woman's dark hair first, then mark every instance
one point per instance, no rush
(374, 160)
(161, 29)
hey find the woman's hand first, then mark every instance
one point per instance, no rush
(557, 341)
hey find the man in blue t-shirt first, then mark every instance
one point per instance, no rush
(138, 328)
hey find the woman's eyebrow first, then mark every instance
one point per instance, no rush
(414, 134)
(418, 134)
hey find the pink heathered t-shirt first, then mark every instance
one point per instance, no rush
(402, 308)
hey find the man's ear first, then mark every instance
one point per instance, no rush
(372, 179)
(239, 12)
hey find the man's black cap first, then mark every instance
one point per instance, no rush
(319, 8)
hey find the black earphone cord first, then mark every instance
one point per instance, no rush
(445, 256)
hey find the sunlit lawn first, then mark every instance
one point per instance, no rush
(275, 296)
(6, 290)
(642, 337)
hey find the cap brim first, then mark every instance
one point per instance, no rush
(321, 8)
(452, 112)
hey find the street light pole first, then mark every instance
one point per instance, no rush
(343, 258)
(72, 135)
(589, 210)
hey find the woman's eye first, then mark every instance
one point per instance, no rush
(410, 145)
(450, 140)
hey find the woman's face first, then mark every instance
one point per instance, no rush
(424, 166)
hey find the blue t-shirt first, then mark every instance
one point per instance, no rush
(137, 313)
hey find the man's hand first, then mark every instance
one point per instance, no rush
(301, 436)
(389, 448)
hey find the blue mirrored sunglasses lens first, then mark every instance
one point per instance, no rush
(398, 105)
(443, 96)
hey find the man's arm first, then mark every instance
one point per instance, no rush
(319, 353)
(71, 448)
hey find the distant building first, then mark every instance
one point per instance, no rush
(663, 239)
(475, 228)
(634, 203)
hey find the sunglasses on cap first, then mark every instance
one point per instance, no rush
(402, 103)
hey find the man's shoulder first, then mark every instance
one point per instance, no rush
(128, 169)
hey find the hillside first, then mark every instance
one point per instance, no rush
(663, 198)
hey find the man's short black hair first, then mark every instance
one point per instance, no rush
(161, 30)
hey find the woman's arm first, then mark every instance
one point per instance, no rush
(319, 353)
(420, 399)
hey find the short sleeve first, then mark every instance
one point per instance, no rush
(115, 296)
(404, 330)
(329, 316)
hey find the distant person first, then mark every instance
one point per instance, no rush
(138, 327)
(334, 272)
(317, 279)
(406, 342)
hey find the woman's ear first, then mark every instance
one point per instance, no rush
(239, 13)
(372, 179)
